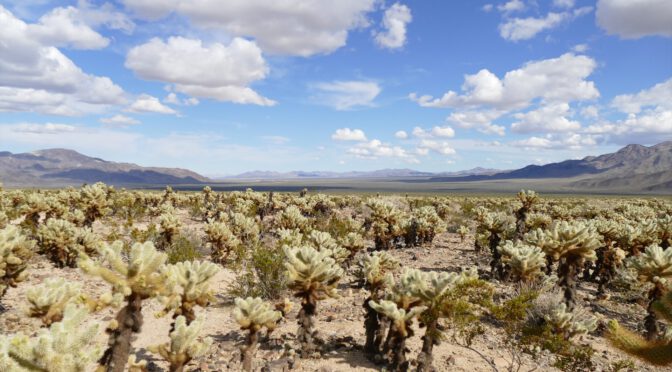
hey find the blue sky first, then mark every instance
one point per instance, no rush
(223, 87)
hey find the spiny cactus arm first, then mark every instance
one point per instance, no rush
(398, 316)
(654, 352)
(65, 346)
(49, 299)
(184, 344)
(254, 314)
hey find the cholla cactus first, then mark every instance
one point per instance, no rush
(136, 278)
(184, 344)
(253, 314)
(15, 251)
(570, 323)
(189, 284)
(65, 346)
(658, 352)
(653, 266)
(528, 199)
(4, 220)
(571, 244)
(609, 256)
(399, 331)
(95, 204)
(291, 218)
(220, 240)
(634, 238)
(463, 231)
(63, 242)
(498, 225)
(323, 242)
(245, 228)
(49, 299)
(664, 230)
(385, 223)
(432, 289)
(32, 209)
(538, 220)
(524, 261)
(353, 242)
(313, 275)
(423, 226)
(376, 271)
(169, 228)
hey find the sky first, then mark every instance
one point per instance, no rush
(224, 87)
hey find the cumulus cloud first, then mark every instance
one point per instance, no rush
(173, 99)
(516, 29)
(395, 20)
(440, 147)
(119, 120)
(658, 95)
(479, 120)
(217, 71)
(632, 19)
(444, 132)
(401, 134)
(290, 27)
(548, 118)
(35, 76)
(375, 149)
(564, 3)
(347, 134)
(345, 95)
(561, 79)
(149, 104)
(511, 6)
(572, 141)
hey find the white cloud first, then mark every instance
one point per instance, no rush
(479, 120)
(561, 79)
(580, 48)
(375, 149)
(564, 3)
(440, 147)
(401, 134)
(147, 103)
(395, 20)
(173, 99)
(291, 27)
(487, 8)
(347, 134)
(591, 111)
(47, 128)
(631, 19)
(37, 77)
(658, 95)
(120, 121)
(571, 141)
(345, 95)
(217, 71)
(516, 29)
(548, 118)
(444, 131)
(64, 27)
(511, 6)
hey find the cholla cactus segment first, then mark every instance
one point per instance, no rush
(311, 272)
(353, 242)
(65, 346)
(528, 198)
(375, 268)
(139, 274)
(525, 261)
(292, 218)
(398, 316)
(254, 313)
(654, 265)
(664, 230)
(323, 242)
(463, 231)
(15, 251)
(189, 284)
(289, 237)
(220, 240)
(498, 223)
(564, 239)
(538, 220)
(655, 352)
(49, 299)
(570, 323)
(184, 344)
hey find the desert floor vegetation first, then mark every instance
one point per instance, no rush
(100, 278)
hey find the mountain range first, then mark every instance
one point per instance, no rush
(634, 168)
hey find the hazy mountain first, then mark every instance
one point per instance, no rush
(382, 173)
(68, 167)
(634, 167)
